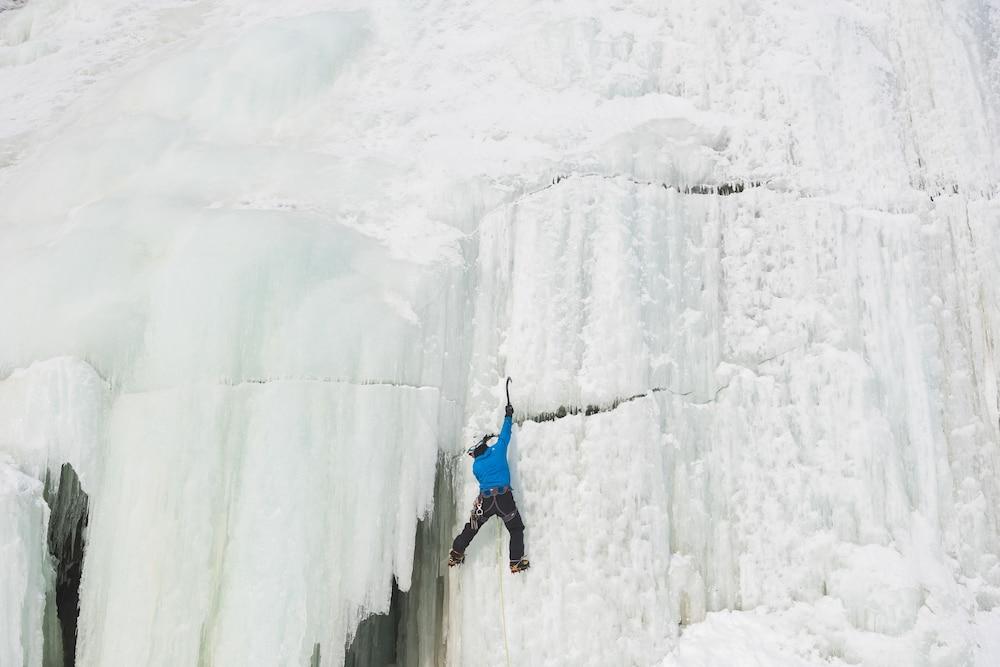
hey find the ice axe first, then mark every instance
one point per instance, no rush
(508, 390)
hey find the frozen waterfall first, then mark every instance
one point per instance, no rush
(266, 265)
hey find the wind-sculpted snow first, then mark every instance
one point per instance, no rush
(267, 264)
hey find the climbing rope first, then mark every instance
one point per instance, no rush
(503, 613)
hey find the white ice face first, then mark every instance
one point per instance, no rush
(264, 264)
(26, 576)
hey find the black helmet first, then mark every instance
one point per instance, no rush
(477, 449)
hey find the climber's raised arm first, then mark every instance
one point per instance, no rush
(504, 438)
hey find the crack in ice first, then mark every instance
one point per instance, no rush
(720, 189)
(594, 409)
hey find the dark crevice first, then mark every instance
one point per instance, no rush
(720, 189)
(588, 410)
(737, 187)
(412, 631)
(375, 643)
(421, 638)
(67, 527)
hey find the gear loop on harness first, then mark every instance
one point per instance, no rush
(478, 511)
(489, 501)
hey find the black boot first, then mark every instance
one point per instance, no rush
(455, 558)
(519, 565)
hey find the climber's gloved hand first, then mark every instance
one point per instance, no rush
(509, 410)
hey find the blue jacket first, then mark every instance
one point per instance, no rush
(490, 467)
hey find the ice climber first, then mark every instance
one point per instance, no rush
(495, 497)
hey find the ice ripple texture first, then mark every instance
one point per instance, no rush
(266, 264)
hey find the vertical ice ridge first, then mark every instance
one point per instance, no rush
(797, 483)
(27, 578)
(846, 492)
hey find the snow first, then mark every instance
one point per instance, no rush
(267, 264)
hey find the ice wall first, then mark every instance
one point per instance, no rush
(27, 575)
(205, 317)
(796, 435)
(810, 418)
(266, 262)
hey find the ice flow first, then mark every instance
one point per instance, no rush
(266, 265)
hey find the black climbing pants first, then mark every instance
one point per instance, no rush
(501, 505)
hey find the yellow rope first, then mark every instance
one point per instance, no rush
(503, 615)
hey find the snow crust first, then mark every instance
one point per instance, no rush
(266, 263)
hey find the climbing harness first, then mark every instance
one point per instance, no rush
(491, 498)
